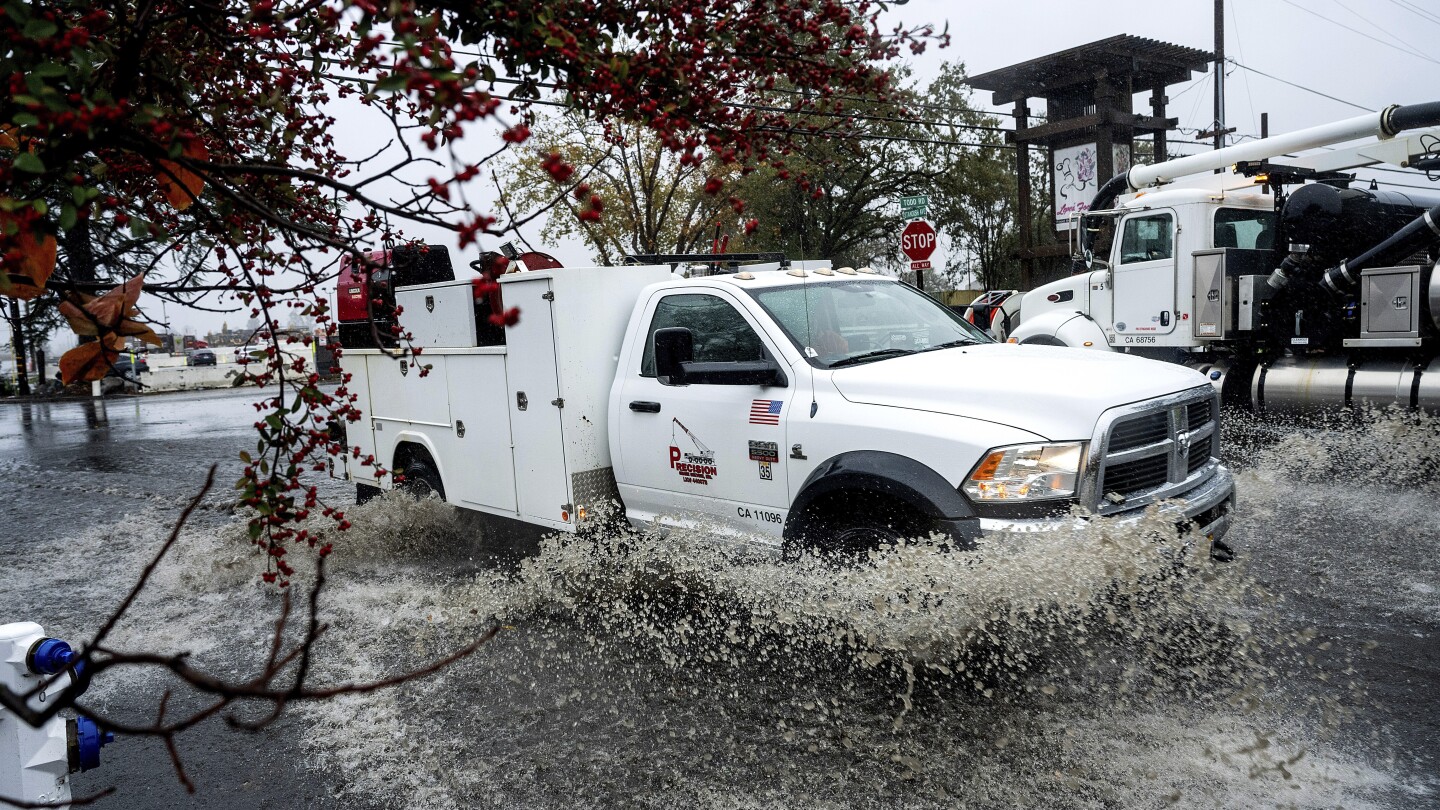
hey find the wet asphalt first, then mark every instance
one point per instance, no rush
(71, 464)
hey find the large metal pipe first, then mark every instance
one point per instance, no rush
(1384, 124)
(1294, 385)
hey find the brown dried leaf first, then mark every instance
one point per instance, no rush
(80, 322)
(110, 309)
(28, 277)
(90, 360)
(181, 186)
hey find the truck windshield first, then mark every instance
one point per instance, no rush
(850, 322)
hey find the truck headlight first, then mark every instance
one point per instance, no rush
(1027, 472)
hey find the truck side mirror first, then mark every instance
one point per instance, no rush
(673, 346)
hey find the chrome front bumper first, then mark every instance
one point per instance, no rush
(1210, 504)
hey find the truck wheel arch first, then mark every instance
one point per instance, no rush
(891, 476)
(1042, 340)
(1055, 328)
(415, 446)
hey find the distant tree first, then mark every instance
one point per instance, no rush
(837, 198)
(844, 206)
(653, 200)
(974, 201)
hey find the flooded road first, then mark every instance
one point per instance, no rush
(1085, 670)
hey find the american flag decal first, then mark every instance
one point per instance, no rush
(765, 411)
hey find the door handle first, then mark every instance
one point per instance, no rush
(645, 407)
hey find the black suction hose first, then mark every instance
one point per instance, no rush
(1104, 199)
(1411, 116)
(1419, 233)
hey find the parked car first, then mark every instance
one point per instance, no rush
(200, 357)
(128, 366)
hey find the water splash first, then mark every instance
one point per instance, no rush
(1098, 667)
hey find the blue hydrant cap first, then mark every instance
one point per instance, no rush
(50, 655)
(89, 740)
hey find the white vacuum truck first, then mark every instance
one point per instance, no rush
(1291, 285)
(819, 407)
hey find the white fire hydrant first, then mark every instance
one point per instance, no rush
(36, 763)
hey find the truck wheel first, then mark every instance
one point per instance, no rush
(846, 528)
(421, 479)
(365, 493)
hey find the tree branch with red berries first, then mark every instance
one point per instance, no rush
(191, 150)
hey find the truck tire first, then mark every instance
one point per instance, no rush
(847, 527)
(421, 478)
(365, 493)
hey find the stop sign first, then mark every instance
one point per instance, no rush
(918, 240)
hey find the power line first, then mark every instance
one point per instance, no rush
(764, 128)
(1249, 95)
(898, 138)
(1333, 21)
(791, 92)
(1416, 10)
(1302, 87)
(1404, 185)
(1375, 25)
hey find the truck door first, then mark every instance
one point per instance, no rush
(705, 448)
(1144, 278)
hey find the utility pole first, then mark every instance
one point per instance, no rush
(1219, 73)
(17, 338)
(1219, 131)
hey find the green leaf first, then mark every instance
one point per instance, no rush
(25, 119)
(48, 70)
(28, 162)
(67, 217)
(390, 83)
(255, 530)
(40, 29)
(245, 456)
(139, 228)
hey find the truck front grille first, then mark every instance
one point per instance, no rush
(1140, 431)
(1157, 450)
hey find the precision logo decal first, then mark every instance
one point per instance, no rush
(693, 468)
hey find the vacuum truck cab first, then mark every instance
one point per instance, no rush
(1292, 286)
(800, 408)
(1142, 297)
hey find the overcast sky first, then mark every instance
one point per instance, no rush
(1354, 50)
(1365, 53)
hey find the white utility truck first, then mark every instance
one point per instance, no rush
(824, 408)
(1290, 284)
